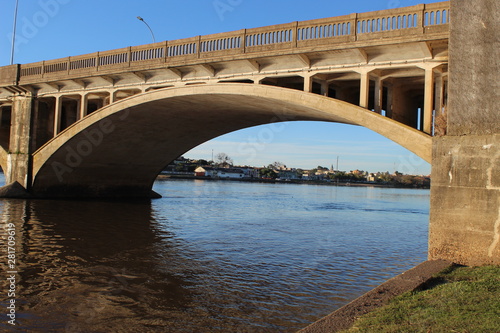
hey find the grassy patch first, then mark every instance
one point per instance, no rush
(460, 299)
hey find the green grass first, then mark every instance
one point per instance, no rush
(460, 299)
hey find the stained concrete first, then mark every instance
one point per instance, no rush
(465, 191)
(474, 89)
(18, 158)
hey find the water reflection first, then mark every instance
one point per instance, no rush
(209, 257)
(87, 266)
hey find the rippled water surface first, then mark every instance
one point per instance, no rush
(209, 256)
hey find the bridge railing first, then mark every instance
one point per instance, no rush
(292, 37)
(334, 30)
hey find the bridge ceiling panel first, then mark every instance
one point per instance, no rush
(396, 52)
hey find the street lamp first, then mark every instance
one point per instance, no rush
(152, 34)
(14, 34)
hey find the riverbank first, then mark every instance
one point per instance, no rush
(289, 181)
(456, 299)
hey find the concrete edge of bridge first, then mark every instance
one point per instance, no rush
(14, 191)
(17, 191)
(411, 280)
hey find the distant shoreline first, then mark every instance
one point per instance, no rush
(292, 181)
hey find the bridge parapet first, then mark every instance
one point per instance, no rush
(9, 75)
(322, 34)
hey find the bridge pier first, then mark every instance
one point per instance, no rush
(19, 151)
(465, 192)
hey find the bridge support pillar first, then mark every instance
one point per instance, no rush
(308, 83)
(390, 93)
(364, 90)
(378, 95)
(465, 192)
(19, 154)
(428, 100)
(57, 115)
(83, 106)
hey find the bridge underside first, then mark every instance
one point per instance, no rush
(119, 150)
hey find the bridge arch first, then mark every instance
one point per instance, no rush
(120, 149)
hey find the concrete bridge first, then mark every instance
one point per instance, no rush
(105, 124)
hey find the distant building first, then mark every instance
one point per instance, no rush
(250, 172)
(321, 174)
(233, 173)
(288, 174)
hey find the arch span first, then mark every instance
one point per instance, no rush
(120, 149)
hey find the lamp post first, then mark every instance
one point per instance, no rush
(14, 34)
(152, 34)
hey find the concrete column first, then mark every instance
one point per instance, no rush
(112, 97)
(390, 95)
(465, 192)
(57, 115)
(19, 156)
(378, 95)
(257, 79)
(364, 89)
(428, 100)
(308, 83)
(438, 93)
(325, 86)
(83, 106)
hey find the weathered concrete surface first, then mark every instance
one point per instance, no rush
(18, 168)
(465, 200)
(410, 280)
(474, 89)
(9, 75)
(465, 192)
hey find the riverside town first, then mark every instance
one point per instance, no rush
(222, 168)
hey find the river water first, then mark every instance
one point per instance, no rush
(210, 256)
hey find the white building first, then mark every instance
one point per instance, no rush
(232, 173)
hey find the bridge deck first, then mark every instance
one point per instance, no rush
(402, 25)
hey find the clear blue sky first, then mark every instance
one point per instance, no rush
(50, 29)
